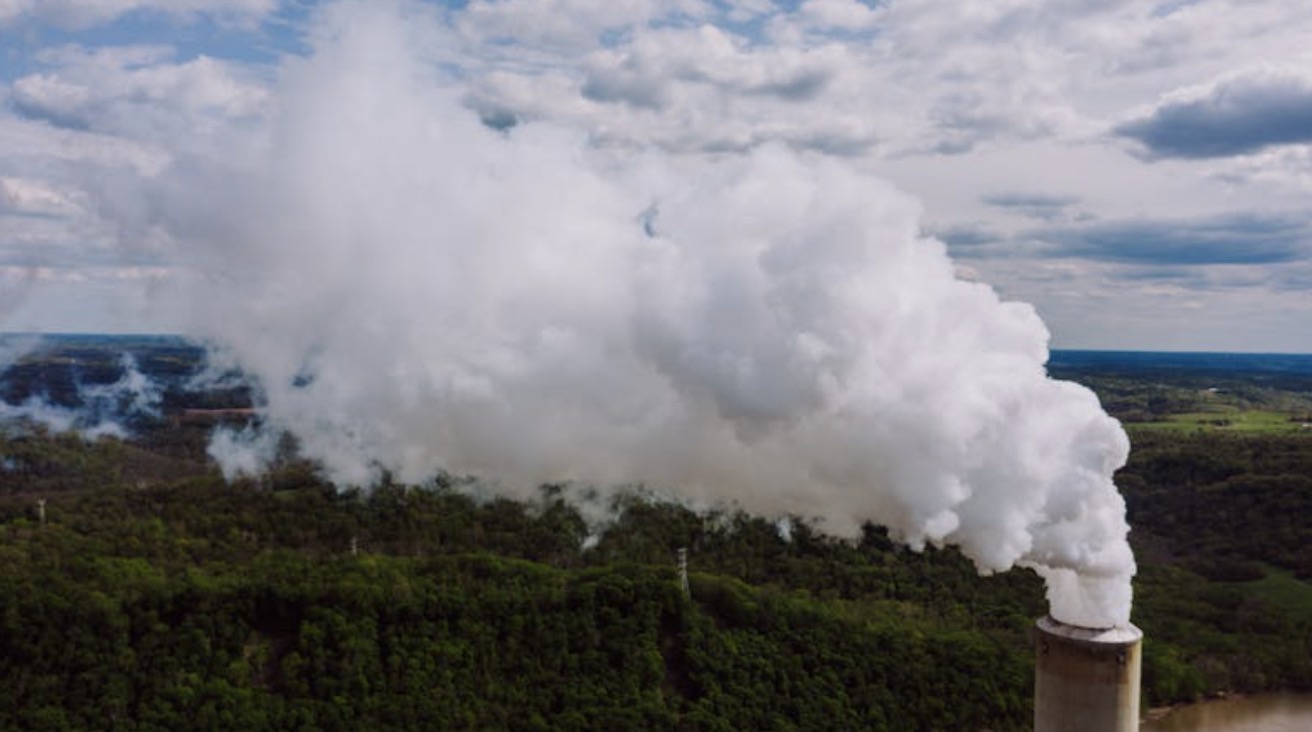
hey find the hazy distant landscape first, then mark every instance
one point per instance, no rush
(140, 590)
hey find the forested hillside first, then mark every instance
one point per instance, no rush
(245, 606)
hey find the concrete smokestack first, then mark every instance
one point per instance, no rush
(1086, 679)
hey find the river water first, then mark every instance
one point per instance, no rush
(1262, 713)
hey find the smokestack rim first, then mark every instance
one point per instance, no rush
(1125, 635)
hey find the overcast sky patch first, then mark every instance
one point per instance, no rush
(1231, 239)
(1032, 205)
(968, 241)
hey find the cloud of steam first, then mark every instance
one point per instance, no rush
(416, 292)
(104, 409)
(243, 452)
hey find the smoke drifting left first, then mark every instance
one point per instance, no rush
(415, 292)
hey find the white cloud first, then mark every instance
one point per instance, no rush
(1283, 171)
(136, 92)
(657, 60)
(35, 147)
(78, 14)
(76, 138)
(38, 197)
(694, 88)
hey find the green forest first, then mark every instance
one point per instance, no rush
(139, 591)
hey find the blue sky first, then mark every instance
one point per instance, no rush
(1138, 171)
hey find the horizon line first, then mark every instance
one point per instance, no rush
(1051, 349)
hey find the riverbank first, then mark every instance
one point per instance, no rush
(1279, 712)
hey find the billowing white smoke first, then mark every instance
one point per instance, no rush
(245, 451)
(416, 292)
(103, 410)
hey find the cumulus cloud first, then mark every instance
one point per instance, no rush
(920, 78)
(32, 197)
(705, 88)
(644, 71)
(137, 92)
(82, 131)
(37, 217)
(1238, 115)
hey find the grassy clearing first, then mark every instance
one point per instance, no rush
(1248, 421)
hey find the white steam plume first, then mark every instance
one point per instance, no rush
(416, 292)
(243, 452)
(103, 407)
